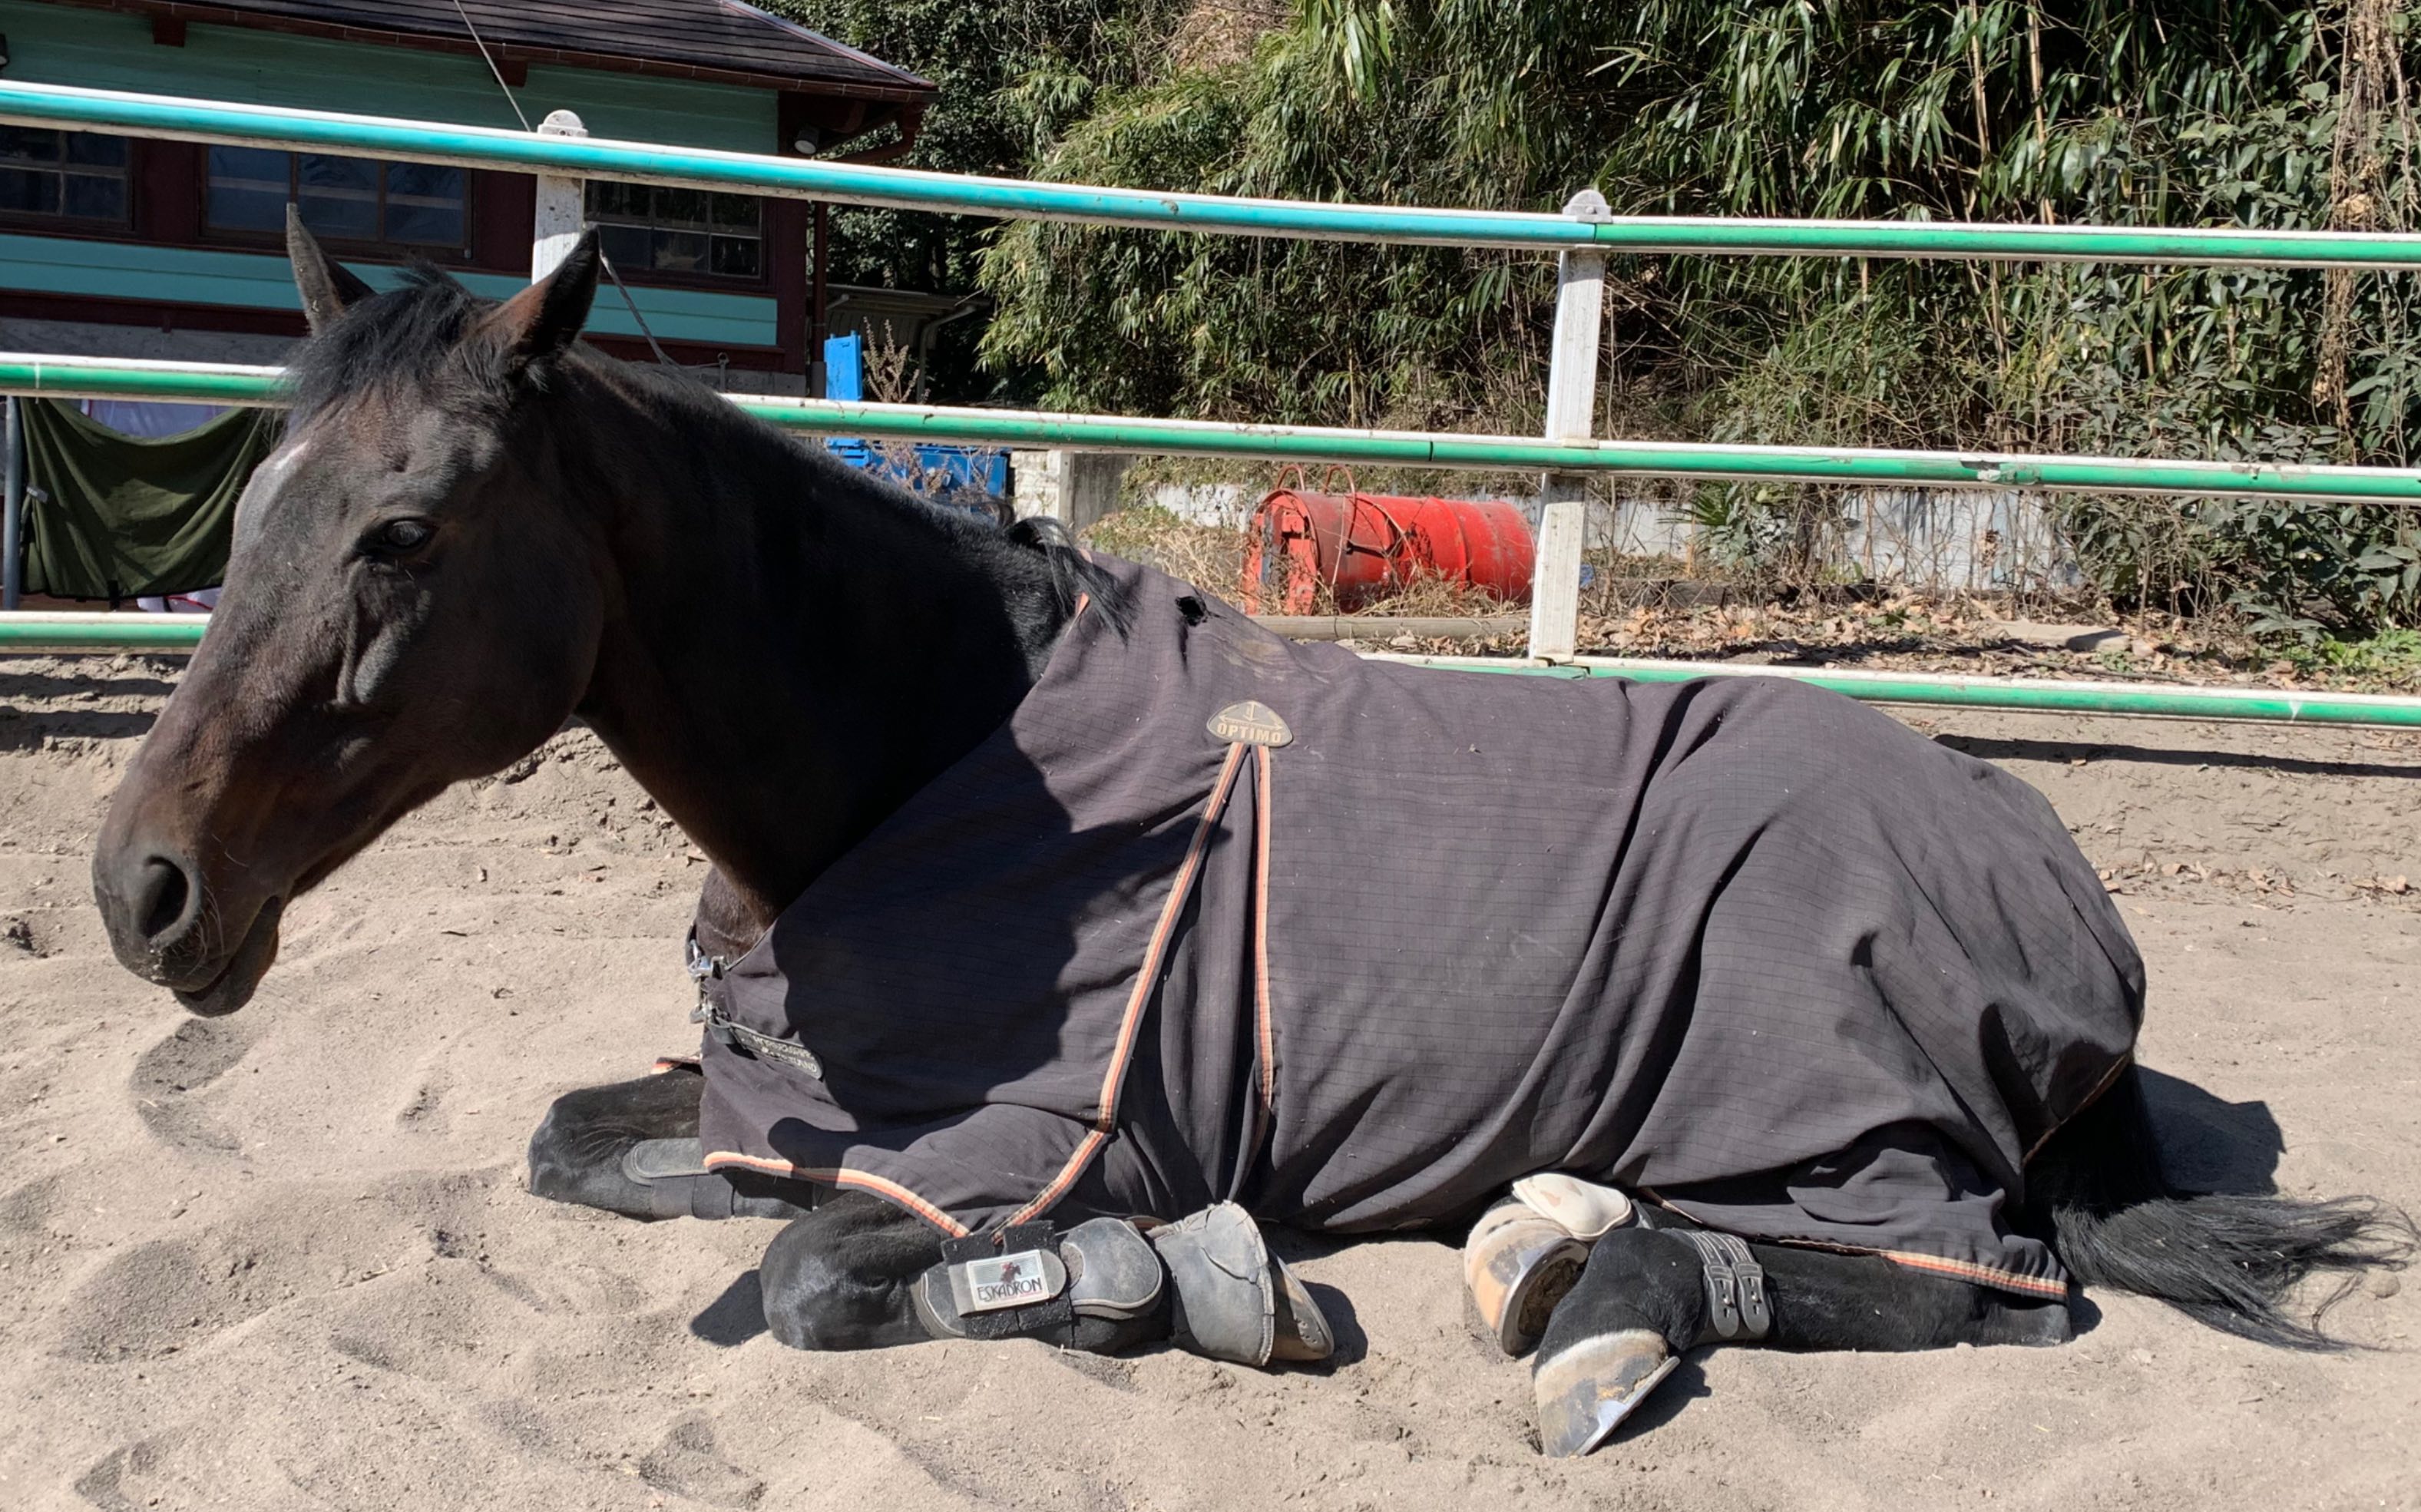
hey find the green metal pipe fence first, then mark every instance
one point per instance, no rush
(34, 633)
(39, 632)
(1582, 233)
(475, 146)
(2269, 706)
(199, 382)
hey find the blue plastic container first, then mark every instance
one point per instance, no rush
(934, 469)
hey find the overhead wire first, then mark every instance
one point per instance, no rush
(604, 261)
(481, 44)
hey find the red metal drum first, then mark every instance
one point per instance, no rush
(1368, 545)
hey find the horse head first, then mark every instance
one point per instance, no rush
(414, 598)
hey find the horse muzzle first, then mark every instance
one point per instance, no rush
(231, 986)
(167, 928)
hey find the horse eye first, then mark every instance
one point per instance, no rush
(403, 535)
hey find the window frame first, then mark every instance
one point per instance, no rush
(59, 221)
(383, 250)
(706, 282)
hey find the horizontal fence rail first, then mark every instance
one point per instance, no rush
(1585, 234)
(39, 632)
(34, 634)
(2267, 706)
(478, 146)
(210, 384)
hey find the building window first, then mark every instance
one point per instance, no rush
(73, 176)
(345, 199)
(648, 228)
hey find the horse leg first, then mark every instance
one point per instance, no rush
(1825, 1300)
(846, 1276)
(1643, 1297)
(843, 1276)
(631, 1147)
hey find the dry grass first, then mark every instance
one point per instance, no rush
(1205, 555)
(1641, 609)
(1427, 594)
(890, 376)
(1216, 33)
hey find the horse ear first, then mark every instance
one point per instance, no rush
(544, 319)
(326, 286)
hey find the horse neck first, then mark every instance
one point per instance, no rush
(791, 649)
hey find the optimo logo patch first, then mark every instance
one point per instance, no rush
(1251, 722)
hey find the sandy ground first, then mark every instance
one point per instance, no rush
(284, 1259)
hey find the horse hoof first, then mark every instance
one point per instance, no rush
(1519, 1266)
(1585, 1393)
(1298, 1332)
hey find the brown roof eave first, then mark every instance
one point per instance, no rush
(610, 62)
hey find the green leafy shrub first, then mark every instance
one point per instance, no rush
(2253, 112)
(2116, 112)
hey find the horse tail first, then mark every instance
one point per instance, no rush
(2232, 1261)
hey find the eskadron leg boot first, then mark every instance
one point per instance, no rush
(1036, 1285)
(1234, 1299)
(673, 1175)
(1523, 1255)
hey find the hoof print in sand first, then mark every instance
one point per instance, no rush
(25, 1208)
(686, 1464)
(117, 1482)
(162, 1297)
(170, 1074)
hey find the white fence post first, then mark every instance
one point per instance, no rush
(12, 512)
(561, 210)
(1571, 415)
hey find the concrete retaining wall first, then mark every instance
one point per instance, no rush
(1939, 538)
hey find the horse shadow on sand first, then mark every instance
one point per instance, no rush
(2208, 1144)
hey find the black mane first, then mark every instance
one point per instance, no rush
(403, 338)
(393, 339)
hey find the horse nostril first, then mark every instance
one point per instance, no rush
(161, 903)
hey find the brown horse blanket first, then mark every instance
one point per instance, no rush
(1218, 916)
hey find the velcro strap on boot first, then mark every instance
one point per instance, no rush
(676, 1181)
(1738, 1308)
(1008, 1284)
(673, 1174)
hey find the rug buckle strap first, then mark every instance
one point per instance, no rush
(732, 1035)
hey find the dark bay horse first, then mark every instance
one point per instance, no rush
(477, 528)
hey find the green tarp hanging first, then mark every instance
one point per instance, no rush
(118, 516)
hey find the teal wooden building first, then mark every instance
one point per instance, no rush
(120, 247)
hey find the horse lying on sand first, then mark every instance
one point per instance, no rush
(1064, 925)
